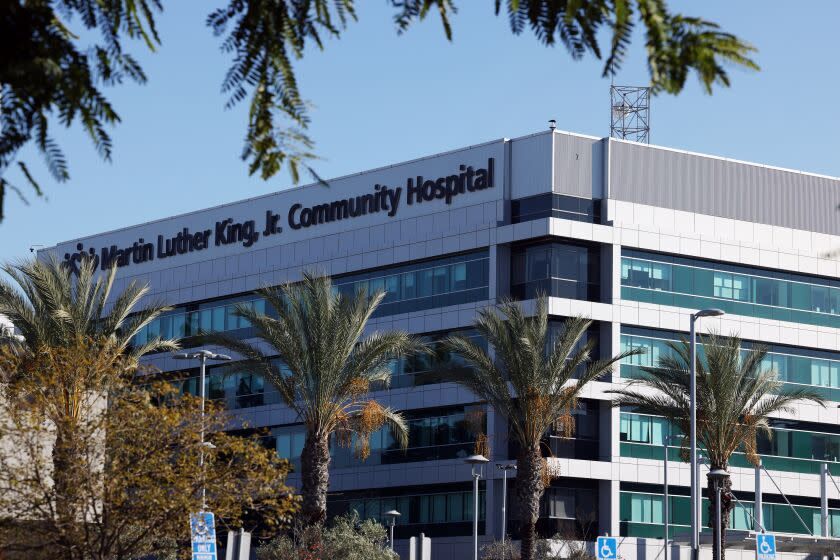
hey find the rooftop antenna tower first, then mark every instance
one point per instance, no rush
(630, 113)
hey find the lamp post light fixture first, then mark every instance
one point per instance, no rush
(392, 517)
(504, 467)
(718, 476)
(695, 490)
(477, 462)
(202, 356)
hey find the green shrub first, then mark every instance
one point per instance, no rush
(347, 538)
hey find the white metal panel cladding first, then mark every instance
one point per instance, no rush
(530, 165)
(578, 165)
(725, 188)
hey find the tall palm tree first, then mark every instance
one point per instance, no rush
(328, 368)
(52, 308)
(532, 381)
(735, 399)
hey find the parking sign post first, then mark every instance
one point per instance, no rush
(606, 548)
(765, 546)
(203, 533)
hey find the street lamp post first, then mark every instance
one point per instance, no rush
(477, 462)
(665, 504)
(504, 467)
(695, 491)
(665, 512)
(202, 356)
(392, 516)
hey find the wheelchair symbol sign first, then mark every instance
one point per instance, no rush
(765, 547)
(606, 548)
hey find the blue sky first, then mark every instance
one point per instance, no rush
(381, 98)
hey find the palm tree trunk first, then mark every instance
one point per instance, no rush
(65, 467)
(725, 486)
(529, 490)
(315, 476)
(725, 513)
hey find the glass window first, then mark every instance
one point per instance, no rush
(537, 265)
(646, 508)
(424, 282)
(441, 280)
(424, 511)
(455, 506)
(372, 510)
(459, 276)
(820, 299)
(559, 269)
(640, 428)
(376, 285)
(409, 285)
(439, 508)
(730, 286)
(392, 288)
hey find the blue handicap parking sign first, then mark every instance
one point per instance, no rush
(765, 547)
(203, 536)
(606, 548)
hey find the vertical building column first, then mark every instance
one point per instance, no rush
(610, 428)
(499, 271)
(609, 518)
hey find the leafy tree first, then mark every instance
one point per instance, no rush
(54, 309)
(534, 382)
(53, 72)
(328, 368)
(135, 475)
(348, 538)
(735, 399)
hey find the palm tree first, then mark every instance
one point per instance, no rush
(327, 370)
(50, 306)
(735, 398)
(53, 309)
(532, 381)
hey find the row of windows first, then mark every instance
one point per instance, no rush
(693, 283)
(237, 388)
(786, 450)
(213, 318)
(447, 507)
(550, 205)
(564, 270)
(640, 509)
(584, 441)
(415, 287)
(233, 387)
(568, 503)
(435, 367)
(446, 435)
(817, 369)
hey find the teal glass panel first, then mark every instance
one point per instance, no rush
(787, 450)
(819, 374)
(735, 289)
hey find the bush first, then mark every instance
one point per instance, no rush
(347, 538)
(500, 550)
(507, 550)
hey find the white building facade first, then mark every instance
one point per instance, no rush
(635, 237)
